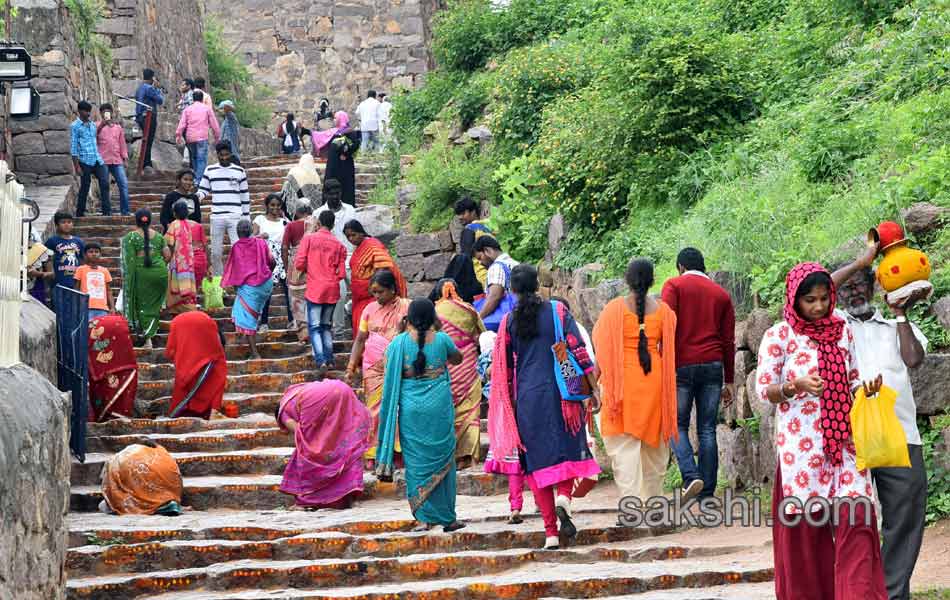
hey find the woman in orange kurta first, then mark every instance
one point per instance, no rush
(634, 337)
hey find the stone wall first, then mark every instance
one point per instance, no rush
(164, 35)
(64, 75)
(38, 338)
(34, 499)
(309, 49)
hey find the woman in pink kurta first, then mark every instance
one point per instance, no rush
(808, 367)
(332, 429)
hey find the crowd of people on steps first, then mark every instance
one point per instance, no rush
(486, 342)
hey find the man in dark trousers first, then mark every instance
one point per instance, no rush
(705, 366)
(890, 347)
(150, 94)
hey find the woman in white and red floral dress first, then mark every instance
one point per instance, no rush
(807, 366)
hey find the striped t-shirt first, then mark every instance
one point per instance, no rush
(227, 186)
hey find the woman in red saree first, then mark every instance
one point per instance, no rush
(113, 371)
(189, 263)
(332, 429)
(201, 368)
(460, 321)
(369, 256)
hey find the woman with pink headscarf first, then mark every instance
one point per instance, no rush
(339, 144)
(332, 430)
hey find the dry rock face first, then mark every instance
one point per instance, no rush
(306, 50)
(34, 464)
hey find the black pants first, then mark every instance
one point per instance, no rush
(265, 313)
(102, 175)
(903, 496)
(149, 139)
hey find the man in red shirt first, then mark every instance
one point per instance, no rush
(323, 258)
(705, 366)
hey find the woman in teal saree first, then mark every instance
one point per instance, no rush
(417, 401)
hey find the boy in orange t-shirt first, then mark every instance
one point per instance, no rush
(94, 280)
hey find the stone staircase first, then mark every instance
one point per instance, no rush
(238, 541)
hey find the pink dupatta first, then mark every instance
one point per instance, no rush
(503, 435)
(320, 139)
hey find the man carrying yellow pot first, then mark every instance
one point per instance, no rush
(890, 347)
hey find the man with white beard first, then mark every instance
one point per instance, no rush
(890, 347)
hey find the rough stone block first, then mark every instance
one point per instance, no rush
(445, 240)
(591, 301)
(45, 164)
(422, 243)
(57, 142)
(745, 362)
(29, 143)
(37, 328)
(760, 407)
(126, 52)
(941, 310)
(741, 344)
(412, 267)
(45, 85)
(931, 384)
(735, 455)
(419, 289)
(436, 265)
(923, 217)
(583, 276)
(116, 26)
(757, 324)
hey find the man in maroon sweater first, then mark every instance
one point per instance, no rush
(705, 365)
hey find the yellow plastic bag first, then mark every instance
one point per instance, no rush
(878, 436)
(214, 295)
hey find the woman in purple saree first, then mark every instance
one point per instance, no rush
(332, 430)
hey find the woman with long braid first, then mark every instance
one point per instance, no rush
(526, 412)
(417, 401)
(635, 341)
(144, 275)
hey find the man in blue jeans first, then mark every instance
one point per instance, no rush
(87, 161)
(705, 366)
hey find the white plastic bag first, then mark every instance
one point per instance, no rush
(120, 302)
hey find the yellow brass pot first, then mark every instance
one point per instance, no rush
(902, 265)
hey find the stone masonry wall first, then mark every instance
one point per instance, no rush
(307, 49)
(34, 499)
(64, 75)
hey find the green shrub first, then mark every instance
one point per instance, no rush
(413, 111)
(230, 78)
(441, 176)
(938, 476)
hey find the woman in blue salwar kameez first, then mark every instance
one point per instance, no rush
(417, 401)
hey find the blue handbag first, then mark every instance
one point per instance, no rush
(571, 381)
(506, 305)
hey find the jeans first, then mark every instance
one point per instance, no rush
(150, 138)
(102, 175)
(218, 226)
(369, 141)
(319, 324)
(701, 384)
(198, 158)
(121, 182)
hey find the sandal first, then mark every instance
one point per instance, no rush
(454, 526)
(515, 518)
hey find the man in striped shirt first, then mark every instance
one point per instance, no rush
(230, 201)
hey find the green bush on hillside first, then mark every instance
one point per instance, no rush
(230, 79)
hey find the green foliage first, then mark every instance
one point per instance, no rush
(86, 15)
(441, 176)
(94, 540)
(751, 425)
(412, 112)
(230, 78)
(938, 476)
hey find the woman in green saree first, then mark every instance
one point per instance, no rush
(417, 400)
(144, 276)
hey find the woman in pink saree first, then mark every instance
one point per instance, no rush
(189, 263)
(332, 429)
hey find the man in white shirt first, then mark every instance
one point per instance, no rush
(226, 183)
(384, 112)
(333, 195)
(368, 112)
(487, 251)
(890, 347)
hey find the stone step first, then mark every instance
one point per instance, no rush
(213, 440)
(242, 351)
(257, 420)
(247, 403)
(217, 492)
(593, 528)
(744, 591)
(301, 362)
(274, 335)
(269, 461)
(260, 461)
(151, 390)
(506, 574)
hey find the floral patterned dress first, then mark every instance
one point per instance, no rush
(806, 473)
